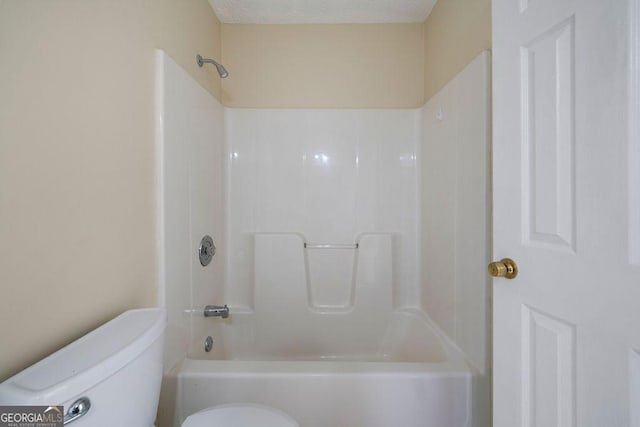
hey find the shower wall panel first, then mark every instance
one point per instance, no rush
(330, 176)
(190, 146)
(455, 218)
(455, 211)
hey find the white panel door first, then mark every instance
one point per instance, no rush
(567, 210)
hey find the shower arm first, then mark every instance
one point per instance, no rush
(202, 61)
(221, 70)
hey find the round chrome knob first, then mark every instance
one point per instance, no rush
(206, 251)
(506, 268)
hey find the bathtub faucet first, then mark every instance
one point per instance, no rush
(216, 311)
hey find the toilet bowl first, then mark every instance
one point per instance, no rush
(240, 415)
(112, 376)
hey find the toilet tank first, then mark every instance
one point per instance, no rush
(117, 366)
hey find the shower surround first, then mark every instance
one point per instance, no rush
(316, 215)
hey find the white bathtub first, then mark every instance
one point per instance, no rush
(402, 374)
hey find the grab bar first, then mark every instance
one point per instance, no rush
(331, 246)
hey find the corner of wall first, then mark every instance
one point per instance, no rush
(455, 32)
(183, 32)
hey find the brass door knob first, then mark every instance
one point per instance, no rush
(506, 268)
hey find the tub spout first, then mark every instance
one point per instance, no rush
(216, 311)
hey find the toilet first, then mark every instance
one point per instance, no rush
(112, 376)
(243, 415)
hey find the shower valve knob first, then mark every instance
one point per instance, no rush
(206, 251)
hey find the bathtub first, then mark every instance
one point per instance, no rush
(324, 373)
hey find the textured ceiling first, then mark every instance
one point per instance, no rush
(321, 11)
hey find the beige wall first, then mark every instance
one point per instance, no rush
(77, 177)
(323, 66)
(77, 207)
(455, 32)
(352, 66)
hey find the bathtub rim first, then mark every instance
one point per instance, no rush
(250, 368)
(455, 362)
(454, 367)
(454, 359)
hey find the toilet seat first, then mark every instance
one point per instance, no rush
(240, 415)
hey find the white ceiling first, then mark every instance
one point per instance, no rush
(321, 11)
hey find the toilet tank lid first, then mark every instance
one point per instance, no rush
(88, 360)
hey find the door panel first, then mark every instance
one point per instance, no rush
(566, 209)
(547, 114)
(548, 370)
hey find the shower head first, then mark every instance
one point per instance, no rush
(221, 70)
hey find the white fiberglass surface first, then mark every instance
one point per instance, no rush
(422, 381)
(190, 149)
(455, 214)
(405, 375)
(403, 336)
(329, 177)
(319, 264)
